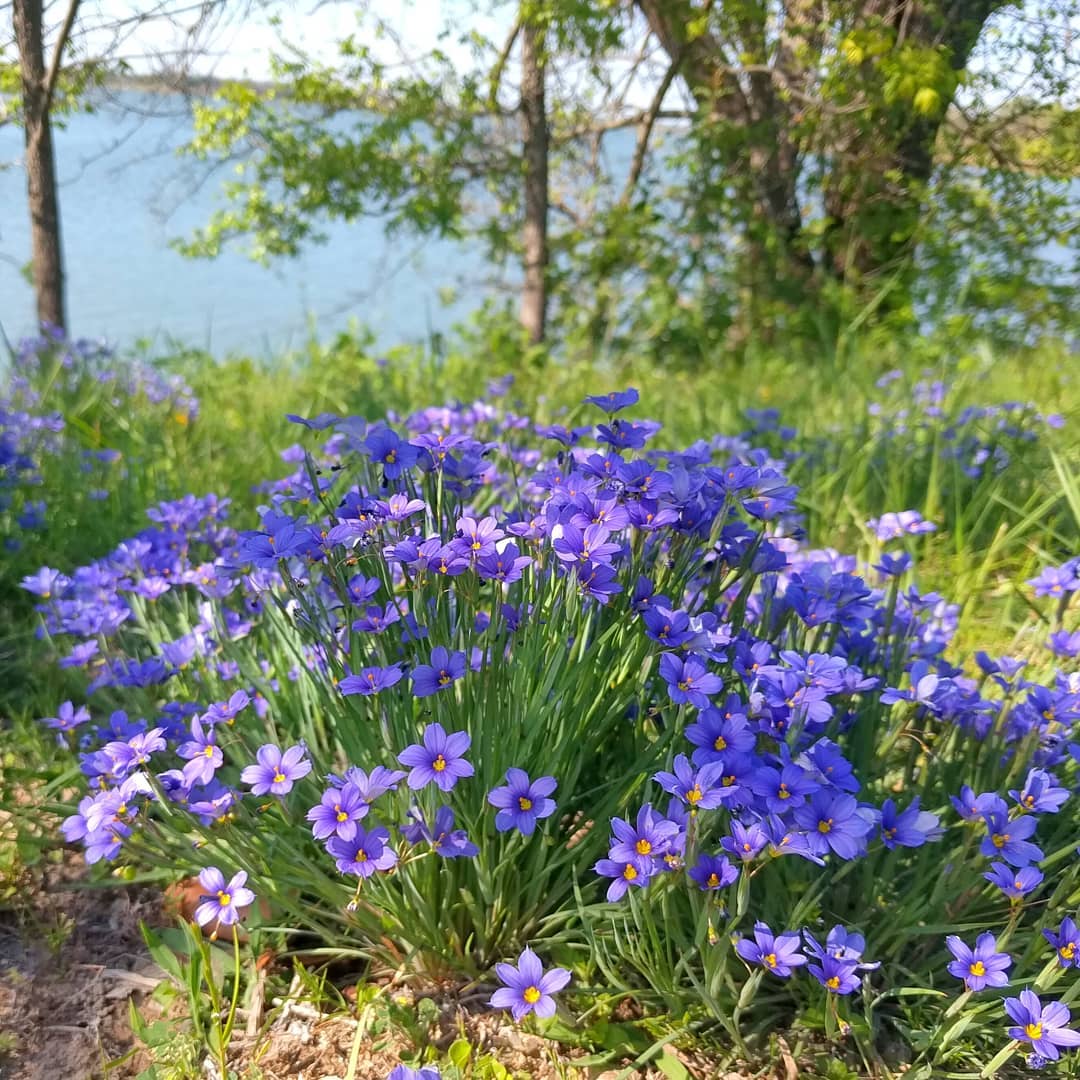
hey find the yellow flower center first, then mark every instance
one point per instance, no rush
(1000, 839)
(978, 968)
(684, 684)
(223, 898)
(630, 873)
(721, 743)
(531, 995)
(1033, 1031)
(439, 763)
(279, 777)
(694, 796)
(770, 960)
(833, 983)
(444, 678)
(643, 847)
(391, 457)
(361, 855)
(209, 752)
(783, 792)
(524, 803)
(825, 826)
(714, 882)
(1068, 950)
(340, 814)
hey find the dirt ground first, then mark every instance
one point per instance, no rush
(70, 960)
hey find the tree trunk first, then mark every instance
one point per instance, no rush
(47, 259)
(535, 152)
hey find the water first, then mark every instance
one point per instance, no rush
(124, 195)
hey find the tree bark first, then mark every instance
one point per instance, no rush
(535, 153)
(46, 254)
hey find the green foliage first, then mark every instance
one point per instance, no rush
(825, 157)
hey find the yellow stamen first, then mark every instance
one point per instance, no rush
(978, 968)
(439, 763)
(1033, 1031)
(531, 995)
(524, 803)
(643, 847)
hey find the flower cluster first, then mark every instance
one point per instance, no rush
(509, 611)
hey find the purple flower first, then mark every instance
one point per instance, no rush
(746, 842)
(1041, 793)
(528, 988)
(649, 838)
(439, 760)
(892, 526)
(1056, 580)
(1014, 883)
(67, 717)
(445, 668)
(637, 871)
(713, 872)
(782, 789)
(837, 975)
(834, 820)
(1066, 941)
(1043, 1026)
(365, 853)
(337, 813)
(370, 680)
(618, 399)
(221, 902)
(478, 537)
(522, 802)
(689, 681)
(389, 450)
(202, 754)
(598, 580)
(1009, 839)
(378, 783)
(591, 545)
(448, 842)
(276, 772)
(716, 734)
(972, 807)
(778, 953)
(908, 828)
(700, 789)
(980, 967)
(46, 583)
(403, 1072)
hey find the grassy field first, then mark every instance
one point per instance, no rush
(982, 445)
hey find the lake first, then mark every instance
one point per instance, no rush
(124, 195)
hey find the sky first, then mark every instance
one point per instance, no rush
(241, 46)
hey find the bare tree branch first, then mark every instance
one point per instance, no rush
(58, 53)
(641, 146)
